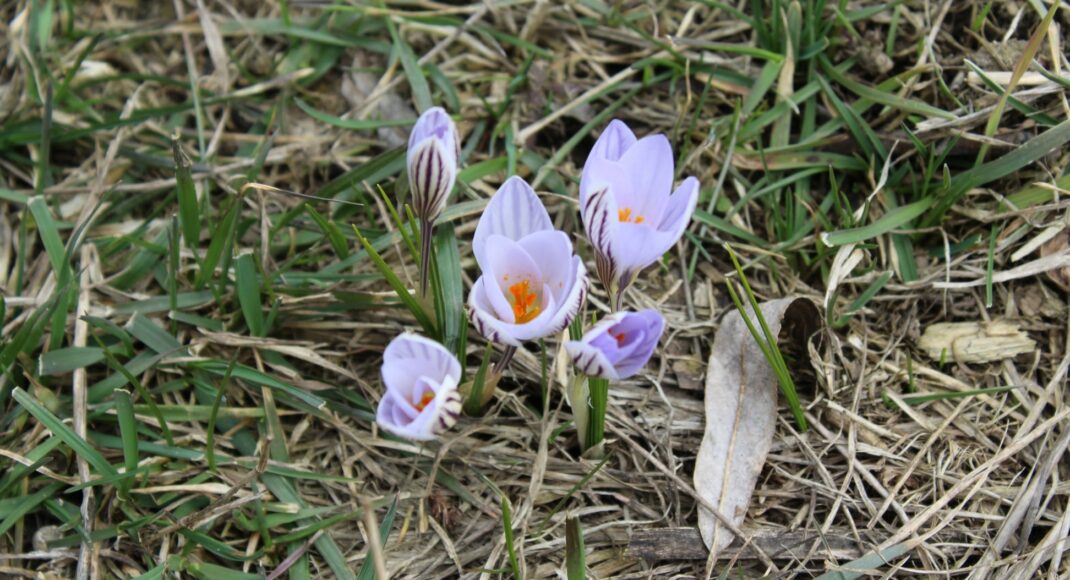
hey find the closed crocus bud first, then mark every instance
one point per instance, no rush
(629, 209)
(434, 149)
(618, 346)
(421, 379)
(532, 284)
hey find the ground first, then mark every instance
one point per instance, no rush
(190, 351)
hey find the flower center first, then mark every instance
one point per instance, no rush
(525, 302)
(625, 215)
(620, 338)
(425, 400)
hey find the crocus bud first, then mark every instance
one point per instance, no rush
(532, 285)
(618, 346)
(421, 379)
(629, 208)
(434, 149)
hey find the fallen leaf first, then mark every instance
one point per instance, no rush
(741, 409)
(975, 342)
(1058, 245)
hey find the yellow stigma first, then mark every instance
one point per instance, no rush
(625, 215)
(525, 302)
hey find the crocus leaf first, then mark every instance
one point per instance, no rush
(741, 408)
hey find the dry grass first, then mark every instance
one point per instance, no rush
(972, 485)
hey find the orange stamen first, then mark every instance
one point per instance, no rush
(425, 400)
(619, 337)
(525, 307)
(625, 215)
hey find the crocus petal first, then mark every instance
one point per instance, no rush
(507, 263)
(546, 248)
(432, 173)
(639, 332)
(572, 303)
(554, 318)
(600, 220)
(610, 146)
(680, 209)
(431, 162)
(514, 212)
(649, 166)
(436, 123)
(395, 415)
(654, 325)
(590, 361)
(638, 246)
(433, 358)
(495, 329)
(483, 318)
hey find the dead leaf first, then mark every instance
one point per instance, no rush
(741, 409)
(1058, 245)
(975, 342)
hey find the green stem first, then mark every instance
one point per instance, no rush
(598, 397)
(426, 229)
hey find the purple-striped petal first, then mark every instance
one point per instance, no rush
(600, 221)
(431, 162)
(514, 212)
(590, 361)
(619, 345)
(435, 123)
(628, 208)
(551, 320)
(434, 360)
(421, 398)
(431, 178)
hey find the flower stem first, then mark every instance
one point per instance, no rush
(426, 230)
(598, 390)
(503, 363)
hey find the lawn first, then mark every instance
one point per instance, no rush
(208, 240)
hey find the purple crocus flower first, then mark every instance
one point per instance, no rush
(434, 149)
(629, 209)
(421, 378)
(532, 284)
(618, 346)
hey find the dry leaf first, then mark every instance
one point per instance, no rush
(975, 342)
(1058, 245)
(741, 408)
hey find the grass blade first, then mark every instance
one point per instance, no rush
(575, 552)
(248, 286)
(893, 219)
(124, 410)
(189, 211)
(61, 430)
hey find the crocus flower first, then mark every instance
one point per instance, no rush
(421, 379)
(532, 284)
(432, 162)
(629, 209)
(618, 346)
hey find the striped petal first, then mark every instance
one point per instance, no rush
(433, 358)
(432, 172)
(514, 212)
(590, 361)
(421, 379)
(618, 346)
(600, 220)
(397, 415)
